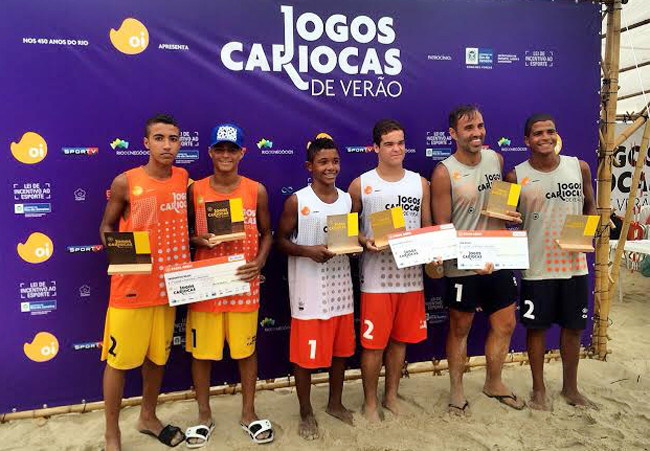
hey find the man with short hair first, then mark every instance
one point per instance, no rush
(139, 323)
(460, 186)
(555, 288)
(392, 299)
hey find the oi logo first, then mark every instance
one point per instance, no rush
(37, 249)
(131, 38)
(31, 148)
(43, 347)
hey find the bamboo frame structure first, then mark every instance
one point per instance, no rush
(435, 367)
(638, 168)
(605, 156)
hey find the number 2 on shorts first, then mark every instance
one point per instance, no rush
(529, 312)
(368, 333)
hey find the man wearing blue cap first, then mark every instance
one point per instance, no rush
(230, 318)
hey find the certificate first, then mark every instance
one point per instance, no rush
(504, 248)
(419, 246)
(204, 279)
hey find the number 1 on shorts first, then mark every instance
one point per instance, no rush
(312, 349)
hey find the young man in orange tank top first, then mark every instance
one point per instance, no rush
(231, 318)
(139, 323)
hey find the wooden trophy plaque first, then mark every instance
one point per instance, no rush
(578, 233)
(384, 223)
(503, 197)
(343, 233)
(225, 220)
(128, 252)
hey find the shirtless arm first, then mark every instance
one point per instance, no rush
(253, 268)
(441, 195)
(426, 203)
(355, 193)
(589, 207)
(118, 206)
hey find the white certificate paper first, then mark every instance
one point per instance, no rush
(204, 279)
(504, 248)
(419, 246)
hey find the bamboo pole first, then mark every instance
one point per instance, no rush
(638, 168)
(608, 121)
(629, 130)
(436, 367)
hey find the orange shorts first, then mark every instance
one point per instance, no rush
(315, 341)
(400, 316)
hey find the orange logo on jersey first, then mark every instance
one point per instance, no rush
(455, 175)
(525, 181)
(367, 189)
(305, 210)
(199, 199)
(137, 190)
(43, 347)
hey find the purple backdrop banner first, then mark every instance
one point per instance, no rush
(79, 81)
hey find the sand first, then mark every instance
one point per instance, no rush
(620, 386)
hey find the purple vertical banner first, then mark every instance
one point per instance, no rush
(80, 81)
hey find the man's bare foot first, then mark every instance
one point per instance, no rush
(372, 414)
(393, 405)
(538, 401)
(308, 427)
(341, 413)
(113, 442)
(576, 399)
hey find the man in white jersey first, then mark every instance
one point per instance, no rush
(392, 299)
(554, 289)
(320, 284)
(460, 186)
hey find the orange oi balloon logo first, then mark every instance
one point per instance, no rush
(525, 181)
(558, 145)
(137, 190)
(323, 135)
(305, 210)
(456, 175)
(367, 189)
(131, 38)
(37, 249)
(43, 347)
(31, 148)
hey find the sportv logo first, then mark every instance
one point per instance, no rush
(351, 60)
(31, 148)
(131, 38)
(84, 248)
(37, 249)
(80, 150)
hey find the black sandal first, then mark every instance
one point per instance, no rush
(167, 435)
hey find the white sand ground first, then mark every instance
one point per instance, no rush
(620, 386)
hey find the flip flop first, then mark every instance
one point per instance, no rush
(502, 400)
(461, 410)
(167, 435)
(257, 428)
(200, 434)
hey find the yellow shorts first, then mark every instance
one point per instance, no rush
(206, 333)
(131, 334)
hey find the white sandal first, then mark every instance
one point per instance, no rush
(257, 428)
(200, 434)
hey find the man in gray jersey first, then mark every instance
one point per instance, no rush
(459, 189)
(554, 289)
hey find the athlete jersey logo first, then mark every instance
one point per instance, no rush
(408, 204)
(489, 178)
(131, 38)
(31, 148)
(525, 181)
(305, 211)
(367, 189)
(456, 175)
(137, 190)
(43, 347)
(37, 249)
(567, 192)
(178, 204)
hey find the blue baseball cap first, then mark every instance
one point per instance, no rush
(227, 133)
